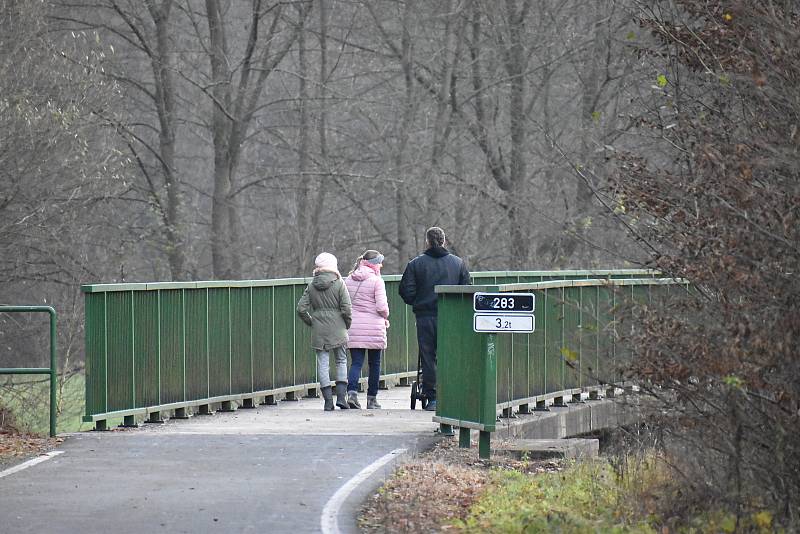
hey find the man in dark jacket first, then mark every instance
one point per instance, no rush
(436, 266)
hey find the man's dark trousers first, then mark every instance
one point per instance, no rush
(426, 340)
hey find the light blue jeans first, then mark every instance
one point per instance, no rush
(324, 365)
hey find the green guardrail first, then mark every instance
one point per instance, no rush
(153, 347)
(572, 350)
(171, 346)
(52, 370)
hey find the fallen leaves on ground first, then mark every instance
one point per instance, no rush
(438, 486)
(16, 447)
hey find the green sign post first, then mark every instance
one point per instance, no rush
(488, 391)
(495, 313)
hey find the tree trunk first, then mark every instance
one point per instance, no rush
(583, 210)
(322, 98)
(407, 116)
(303, 250)
(453, 37)
(221, 131)
(234, 108)
(515, 68)
(163, 69)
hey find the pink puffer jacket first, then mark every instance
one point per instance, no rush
(370, 309)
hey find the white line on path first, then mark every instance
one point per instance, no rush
(330, 514)
(29, 463)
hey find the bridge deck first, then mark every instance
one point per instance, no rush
(306, 417)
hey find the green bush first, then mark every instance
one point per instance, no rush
(585, 497)
(630, 494)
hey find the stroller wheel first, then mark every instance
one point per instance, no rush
(416, 394)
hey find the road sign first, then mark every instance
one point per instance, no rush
(503, 302)
(496, 322)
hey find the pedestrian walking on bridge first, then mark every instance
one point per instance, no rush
(325, 307)
(436, 266)
(370, 321)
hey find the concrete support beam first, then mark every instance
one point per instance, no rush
(227, 406)
(129, 421)
(540, 449)
(154, 417)
(464, 438)
(572, 420)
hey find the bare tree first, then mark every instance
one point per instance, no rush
(56, 171)
(313, 183)
(146, 30)
(234, 105)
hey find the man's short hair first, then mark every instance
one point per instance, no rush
(435, 236)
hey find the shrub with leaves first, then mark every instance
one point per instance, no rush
(716, 197)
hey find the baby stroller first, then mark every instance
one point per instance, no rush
(416, 387)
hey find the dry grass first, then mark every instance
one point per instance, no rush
(438, 486)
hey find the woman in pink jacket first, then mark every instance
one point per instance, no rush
(370, 320)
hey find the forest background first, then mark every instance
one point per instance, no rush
(193, 140)
(189, 140)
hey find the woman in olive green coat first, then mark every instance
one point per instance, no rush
(325, 307)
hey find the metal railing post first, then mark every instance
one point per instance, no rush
(52, 371)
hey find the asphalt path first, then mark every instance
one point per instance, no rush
(288, 468)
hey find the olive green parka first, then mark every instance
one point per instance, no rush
(325, 307)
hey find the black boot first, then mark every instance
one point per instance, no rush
(352, 400)
(341, 395)
(327, 394)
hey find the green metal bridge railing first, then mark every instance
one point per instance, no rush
(52, 370)
(571, 351)
(153, 347)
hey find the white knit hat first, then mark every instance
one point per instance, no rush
(326, 262)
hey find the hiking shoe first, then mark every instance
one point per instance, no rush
(327, 394)
(352, 400)
(341, 395)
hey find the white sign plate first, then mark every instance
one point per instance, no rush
(485, 322)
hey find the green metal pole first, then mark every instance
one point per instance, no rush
(561, 318)
(133, 350)
(105, 354)
(464, 438)
(158, 344)
(484, 450)
(488, 393)
(53, 372)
